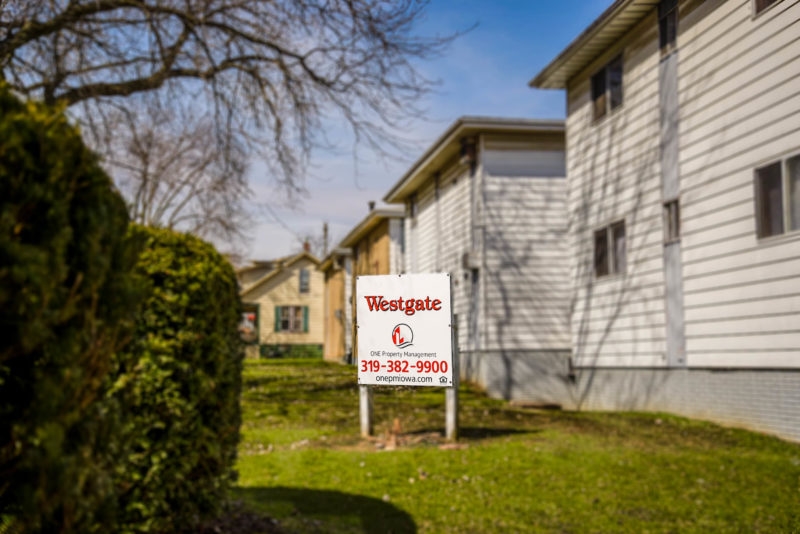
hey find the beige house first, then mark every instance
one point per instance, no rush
(377, 246)
(337, 268)
(377, 242)
(373, 246)
(283, 307)
(683, 129)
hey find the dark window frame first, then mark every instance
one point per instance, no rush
(304, 283)
(777, 197)
(618, 261)
(667, 26)
(291, 319)
(607, 88)
(672, 221)
(759, 6)
(609, 259)
(602, 263)
(412, 206)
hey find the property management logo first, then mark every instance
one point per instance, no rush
(402, 336)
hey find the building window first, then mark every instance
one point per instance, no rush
(607, 88)
(761, 5)
(601, 252)
(610, 256)
(777, 197)
(412, 206)
(305, 280)
(672, 221)
(667, 25)
(291, 319)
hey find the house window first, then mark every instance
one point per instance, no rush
(667, 25)
(761, 5)
(412, 206)
(777, 197)
(291, 319)
(610, 256)
(672, 221)
(305, 281)
(601, 252)
(607, 88)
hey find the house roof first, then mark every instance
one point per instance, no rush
(281, 265)
(338, 252)
(601, 34)
(259, 264)
(449, 145)
(373, 218)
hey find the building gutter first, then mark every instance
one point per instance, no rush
(601, 34)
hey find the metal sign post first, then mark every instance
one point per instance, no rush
(451, 394)
(365, 410)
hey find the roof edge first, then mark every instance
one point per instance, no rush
(335, 253)
(543, 79)
(482, 123)
(290, 260)
(366, 224)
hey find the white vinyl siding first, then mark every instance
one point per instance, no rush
(440, 234)
(425, 233)
(739, 111)
(396, 259)
(520, 220)
(518, 161)
(526, 276)
(614, 175)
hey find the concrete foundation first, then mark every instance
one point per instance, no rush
(762, 400)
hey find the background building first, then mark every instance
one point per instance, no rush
(286, 298)
(486, 203)
(377, 245)
(337, 268)
(683, 165)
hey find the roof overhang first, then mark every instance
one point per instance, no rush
(335, 254)
(601, 35)
(448, 146)
(279, 268)
(258, 264)
(373, 219)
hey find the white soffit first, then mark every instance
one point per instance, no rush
(601, 35)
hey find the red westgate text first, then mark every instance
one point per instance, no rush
(409, 306)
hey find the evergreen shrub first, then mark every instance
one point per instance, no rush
(67, 298)
(179, 386)
(120, 360)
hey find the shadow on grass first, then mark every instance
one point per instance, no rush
(311, 508)
(476, 432)
(473, 432)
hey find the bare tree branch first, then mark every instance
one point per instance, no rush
(269, 70)
(176, 174)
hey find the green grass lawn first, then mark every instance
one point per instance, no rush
(514, 470)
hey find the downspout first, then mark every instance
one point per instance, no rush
(436, 197)
(482, 317)
(469, 151)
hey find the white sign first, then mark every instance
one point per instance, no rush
(404, 330)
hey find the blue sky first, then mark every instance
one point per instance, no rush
(485, 72)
